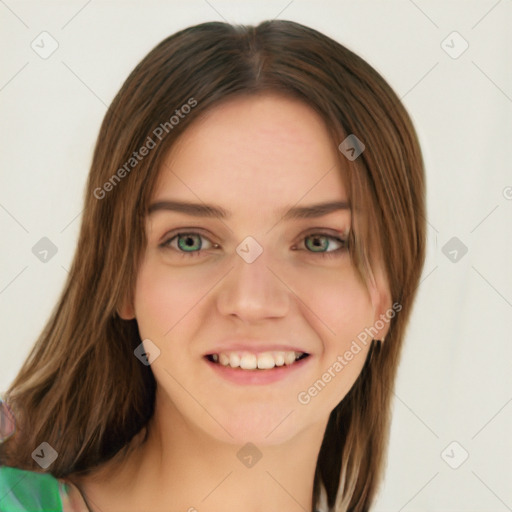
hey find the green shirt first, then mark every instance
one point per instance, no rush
(29, 491)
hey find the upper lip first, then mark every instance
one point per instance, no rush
(253, 346)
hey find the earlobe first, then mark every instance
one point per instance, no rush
(382, 317)
(126, 311)
(382, 307)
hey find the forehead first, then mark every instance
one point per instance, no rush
(271, 149)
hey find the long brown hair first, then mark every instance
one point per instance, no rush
(81, 389)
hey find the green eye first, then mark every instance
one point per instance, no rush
(320, 242)
(189, 242)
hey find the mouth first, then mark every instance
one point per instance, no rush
(252, 362)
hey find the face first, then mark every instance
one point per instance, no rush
(250, 283)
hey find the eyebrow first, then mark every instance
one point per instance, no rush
(213, 211)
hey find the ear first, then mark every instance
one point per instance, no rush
(126, 311)
(382, 305)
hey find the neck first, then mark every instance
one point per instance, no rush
(183, 467)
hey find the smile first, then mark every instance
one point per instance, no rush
(261, 361)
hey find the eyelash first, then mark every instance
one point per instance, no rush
(330, 254)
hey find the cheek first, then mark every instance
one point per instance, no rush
(342, 310)
(165, 295)
(340, 304)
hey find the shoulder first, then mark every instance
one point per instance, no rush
(24, 491)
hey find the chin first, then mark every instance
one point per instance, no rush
(262, 425)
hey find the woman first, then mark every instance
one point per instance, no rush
(250, 249)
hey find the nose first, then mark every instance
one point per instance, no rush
(254, 291)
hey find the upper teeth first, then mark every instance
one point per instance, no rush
(249, 361)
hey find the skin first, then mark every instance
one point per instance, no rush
(260, 154)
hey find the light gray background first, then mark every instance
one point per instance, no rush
(455, 382)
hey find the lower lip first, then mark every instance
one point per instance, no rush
(255, 377)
